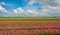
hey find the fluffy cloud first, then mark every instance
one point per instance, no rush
(32, 12)
(25, 13)
(2, 3)
(33, 1)
(5, 4)
(18, 11)
(2, 9)
(49, 7)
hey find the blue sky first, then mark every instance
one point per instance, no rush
(15, 3)
(29, 8)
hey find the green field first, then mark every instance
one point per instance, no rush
(22, 19)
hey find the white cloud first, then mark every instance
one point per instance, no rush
(2, 3)
(32, 12)
(5, 4)
(31, 2)
(49, 7)
(25, 13)
(2, 9)
(18, 11)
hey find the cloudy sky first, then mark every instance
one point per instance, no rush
(29, 8)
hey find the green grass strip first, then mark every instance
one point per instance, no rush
(24, 19)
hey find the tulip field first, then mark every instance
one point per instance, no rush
(29, 26)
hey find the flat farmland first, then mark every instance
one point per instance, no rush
(29, 26)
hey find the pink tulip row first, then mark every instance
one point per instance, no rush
(40, 27)
(28, 32)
